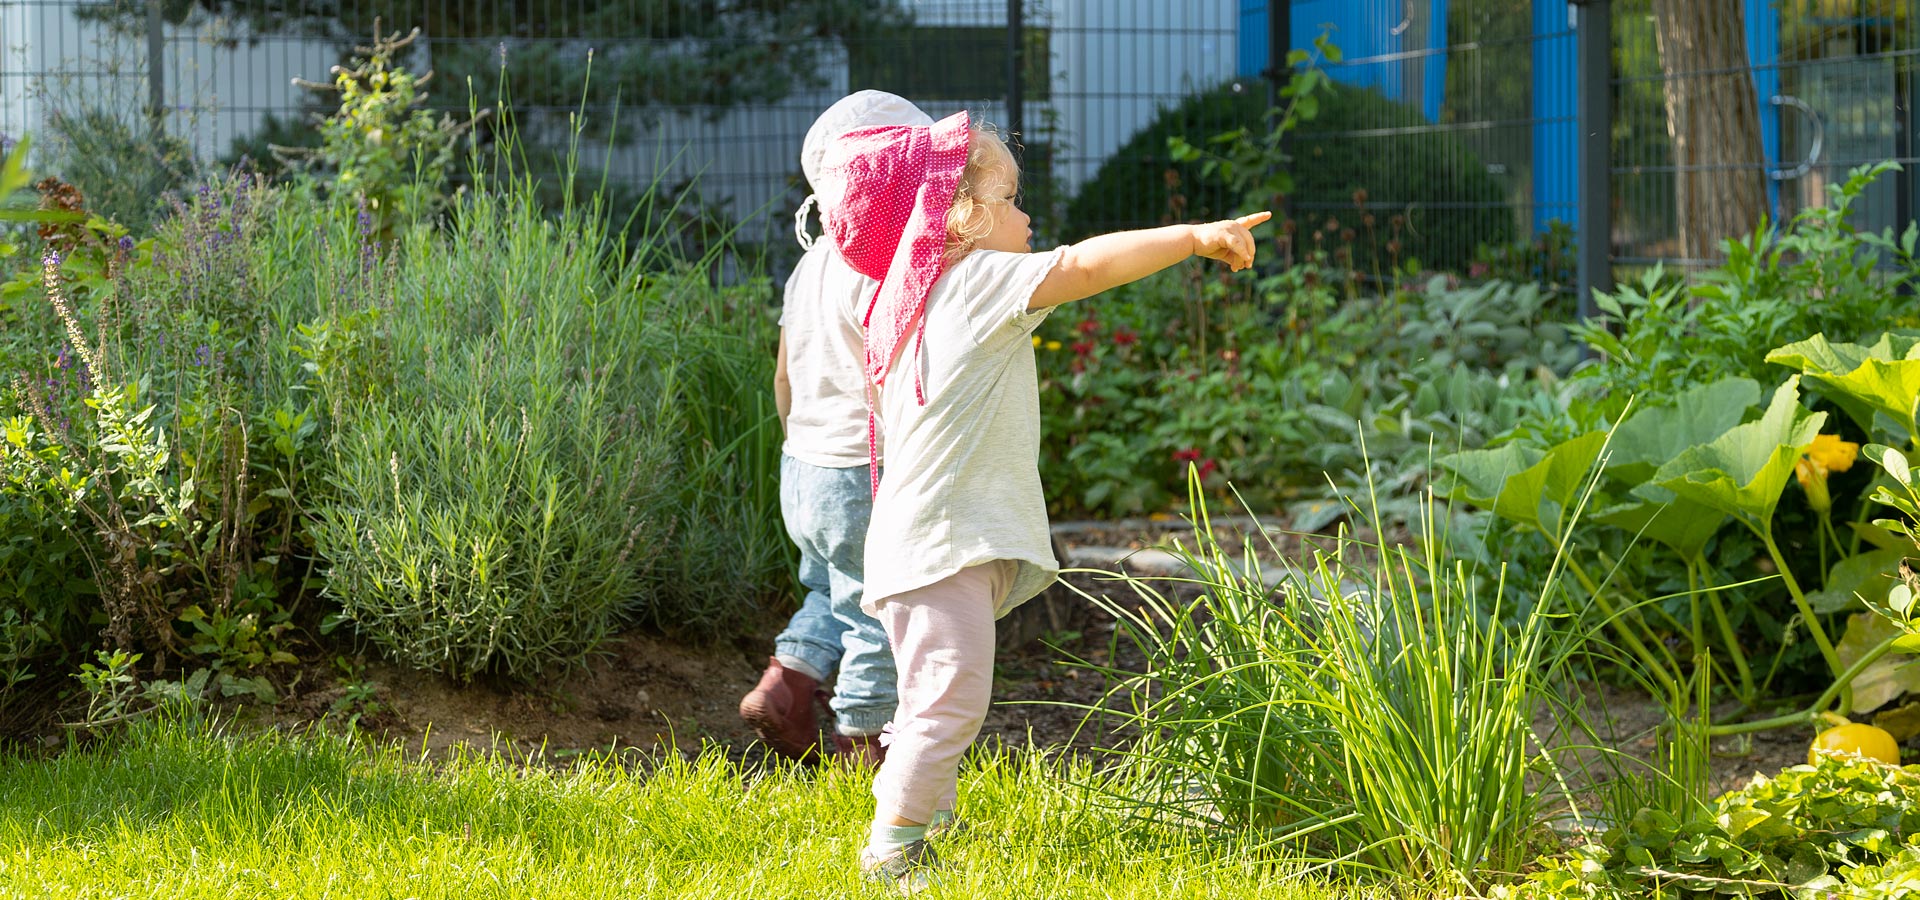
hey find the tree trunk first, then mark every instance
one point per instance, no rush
(1713, 119)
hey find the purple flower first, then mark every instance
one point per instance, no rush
(53, 258)
(64, 359)
(126, 243)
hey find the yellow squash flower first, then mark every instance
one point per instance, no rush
(1831, 453)
(1053, 345)
(1828, 453)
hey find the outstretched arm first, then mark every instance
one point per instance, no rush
(1111, 260)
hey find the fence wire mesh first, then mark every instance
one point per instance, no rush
(1452, 129)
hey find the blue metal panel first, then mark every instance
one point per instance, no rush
(1556, 145)
(1369, 35)
(1434, 83)
(1763, 54)
(1253, 38)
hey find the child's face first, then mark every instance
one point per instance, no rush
(1012, 231)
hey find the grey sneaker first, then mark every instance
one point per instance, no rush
(911, 868)
(947, 829)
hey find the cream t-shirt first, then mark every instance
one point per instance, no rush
(821, 311)
(962, 482)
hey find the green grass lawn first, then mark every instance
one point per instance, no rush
(182, 809)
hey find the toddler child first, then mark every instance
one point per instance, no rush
(825, 496)
(959, 534)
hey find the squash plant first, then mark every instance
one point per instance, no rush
(1676, 475)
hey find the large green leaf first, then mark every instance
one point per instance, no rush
(1479, 475)
(1866, 574)
(1743, 472)
(1887, 677)
(1683, 525)
(1533, 487)
(1884, 377)
(1654, 435)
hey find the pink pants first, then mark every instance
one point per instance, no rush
(942, 638)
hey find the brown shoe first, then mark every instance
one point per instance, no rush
(780, 709)
(864, 749)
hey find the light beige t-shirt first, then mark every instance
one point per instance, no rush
(821, 311)
(962, 483)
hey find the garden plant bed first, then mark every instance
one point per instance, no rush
(648, 690)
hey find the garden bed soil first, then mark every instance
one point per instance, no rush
(652, 691)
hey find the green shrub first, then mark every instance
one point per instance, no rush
(1420, 175)
(46, 596)
(1272, 392)
(124, 168)
(533, 439)
(155, 433)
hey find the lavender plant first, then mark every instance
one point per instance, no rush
(492, 507)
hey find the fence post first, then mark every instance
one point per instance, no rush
(1593, 27)
(1016, 73)
(156, 71)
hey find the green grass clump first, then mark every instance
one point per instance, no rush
(1371, 707)
(179, 808)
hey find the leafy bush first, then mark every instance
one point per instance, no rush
(378, 146)
(123, 168)
(1817, 275)
(1272, 392)
(160, 436)
(1418, 177)
(1841, 827)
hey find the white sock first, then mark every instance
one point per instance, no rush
(800, 665)
(886, 840)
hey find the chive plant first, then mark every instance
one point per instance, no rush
(1371, 707)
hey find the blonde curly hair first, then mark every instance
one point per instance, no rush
(990, 170)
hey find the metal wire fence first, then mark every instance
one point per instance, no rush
(1452, 131)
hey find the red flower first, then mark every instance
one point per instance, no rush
(1087, 326)
(1125, 337)
(1191, 454)
(1083, 347)
(1208, 467)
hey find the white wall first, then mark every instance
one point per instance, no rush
(1117, 62)
(48, 58)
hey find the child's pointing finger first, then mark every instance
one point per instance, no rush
(1252, 219)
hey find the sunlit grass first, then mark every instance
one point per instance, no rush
(185, 809)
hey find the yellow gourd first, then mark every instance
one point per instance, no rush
(1856, 739)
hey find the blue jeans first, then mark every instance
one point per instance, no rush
(827, 512)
